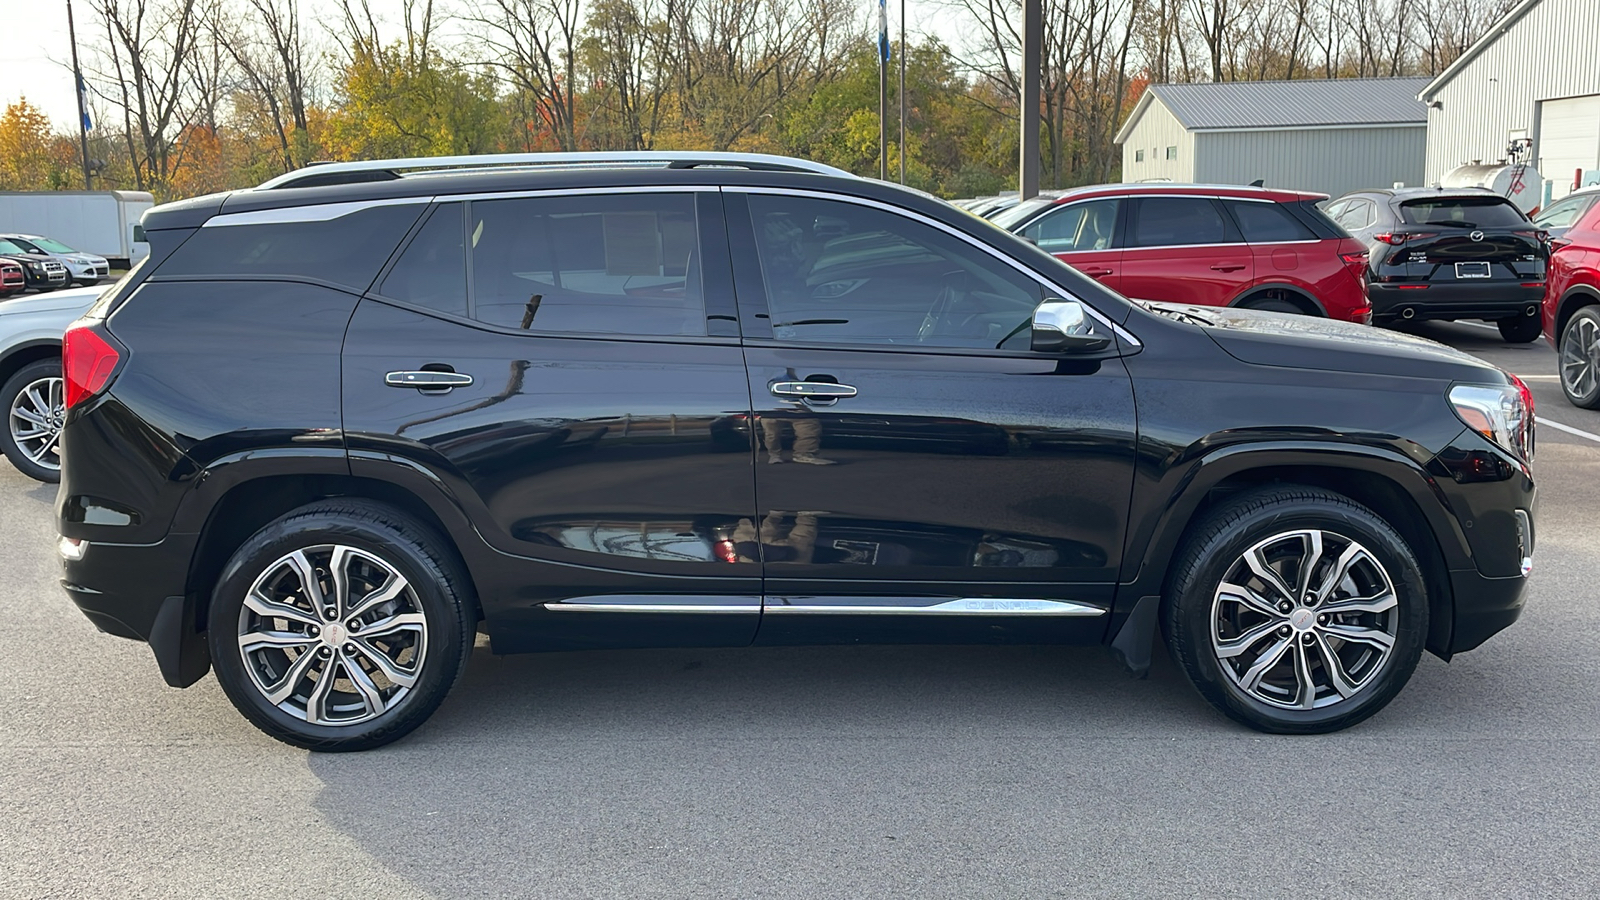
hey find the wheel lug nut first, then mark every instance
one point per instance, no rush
(1322, 620)
(325, 651)
(331, 613)
(1285, 606)
(313, 631)
(1284, 631)
(354, 626)
(1308, 639)
(349, 648)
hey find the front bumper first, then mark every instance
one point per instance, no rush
(1446, 300)
(137, 591)
(88, 273)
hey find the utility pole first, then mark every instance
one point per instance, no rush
(77, 85)
(883, 90)
(1032, 39)
(902, 91)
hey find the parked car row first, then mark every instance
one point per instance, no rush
(31, 261)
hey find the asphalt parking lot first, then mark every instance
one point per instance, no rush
(822, 772)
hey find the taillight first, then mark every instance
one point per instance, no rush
(1400, 237)
(87, 361)
(1359, 258)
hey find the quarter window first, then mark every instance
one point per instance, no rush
(1174, 221)
(1265, 223)
(601, 263)
(839, 272)
(1090, 225)
(346, 250)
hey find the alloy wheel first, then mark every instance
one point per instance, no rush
(332, 635)
(1304, 619)
(1580, 356)
(37, 413)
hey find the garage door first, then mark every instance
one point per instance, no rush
(1569, 140)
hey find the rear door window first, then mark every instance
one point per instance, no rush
(432, 270)
(1565, 212)
(1178, 221)
(599, 263)
(1266, 223)
(1090, 225)
(1462, 212)
(338, 244)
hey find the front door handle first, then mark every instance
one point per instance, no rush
(1096, 273)
(811, 390)
(1227, 267)
(428, 381)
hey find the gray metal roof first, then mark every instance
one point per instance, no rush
(1295, 104)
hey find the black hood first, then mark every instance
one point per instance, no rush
(1298, 341)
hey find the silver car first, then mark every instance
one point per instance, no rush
(31, 388)
(82, 268)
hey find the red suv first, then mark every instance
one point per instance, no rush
(1214, 245)
(1572, 292)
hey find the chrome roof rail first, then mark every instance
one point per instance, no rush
(390, 169)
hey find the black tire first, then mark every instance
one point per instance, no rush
(1218, 543)
(438, 588)
(1521, 329)
(1275, 301)
(1577, 364)
(47, 467)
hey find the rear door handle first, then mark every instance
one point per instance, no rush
(1227, 267)
(428, 381)
(811, 390)
(1096, 273)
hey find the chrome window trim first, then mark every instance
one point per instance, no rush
(1116, 329)
(1243, 244)
(964, 606)
(580, 192)
(320, 212)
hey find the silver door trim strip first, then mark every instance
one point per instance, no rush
(647, 607)
(965, 606)
(583, 191)
(954, 232)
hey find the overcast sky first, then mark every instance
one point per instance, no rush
(36, 56)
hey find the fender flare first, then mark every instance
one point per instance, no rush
(1134, 619)
(23, 348)
(1577, 297)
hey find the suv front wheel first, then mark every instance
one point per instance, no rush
(1296, 610)
(340, 626)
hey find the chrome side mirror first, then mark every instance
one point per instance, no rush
(1061, 326)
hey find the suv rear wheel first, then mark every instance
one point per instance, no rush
(33, 399)
(340, 626)
(1296, 610)
(1521, 329)
(1580, 358)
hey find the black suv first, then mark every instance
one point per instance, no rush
(1449, 254)
(325, 434)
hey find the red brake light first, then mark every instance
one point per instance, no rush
(87, 362)
(1400, 237)
(1358, 258)
(1390, 238)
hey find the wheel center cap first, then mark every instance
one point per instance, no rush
(1302, 619)
(333, 635)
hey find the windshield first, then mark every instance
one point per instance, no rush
(51, 246)
(1020, 213)
(1463, 212)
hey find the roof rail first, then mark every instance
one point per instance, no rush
(319, 174)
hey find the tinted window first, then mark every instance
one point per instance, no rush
(432, 270)
(1090, 225)
(603, 263)
(1168, 221)
(346, 250)
(1462, 212)
(1262, 223)
(1356, 215)
(1564, 212)
(1019, 213)
(839, 272)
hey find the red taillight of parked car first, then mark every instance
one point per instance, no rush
(87, 361)
(1400, 237)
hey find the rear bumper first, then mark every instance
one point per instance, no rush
(1390, 301)
(137, 591)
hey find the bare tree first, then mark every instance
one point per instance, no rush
(144, 69)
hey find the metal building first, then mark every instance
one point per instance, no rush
(1535, 74)
(1328, 136)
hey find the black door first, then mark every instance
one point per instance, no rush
(567, 369)
(922, 475)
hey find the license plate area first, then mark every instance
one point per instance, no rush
(1472, 270)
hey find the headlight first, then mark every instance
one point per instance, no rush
(1501, 413)
(37, 267)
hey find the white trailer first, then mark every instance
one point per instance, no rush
(105, 223)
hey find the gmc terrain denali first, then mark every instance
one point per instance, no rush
(325, 433)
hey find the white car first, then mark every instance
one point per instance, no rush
(82, 268)
(30, 377)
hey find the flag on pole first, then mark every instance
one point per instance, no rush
(883, 30)
(83, 104)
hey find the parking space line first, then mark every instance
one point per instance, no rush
(1568, 429)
